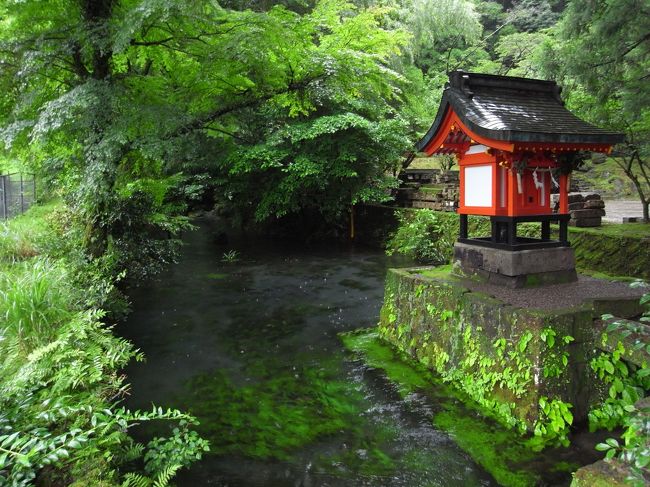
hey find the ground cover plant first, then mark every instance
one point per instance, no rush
(60, 375)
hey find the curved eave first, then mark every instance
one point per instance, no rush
(512, 136)
(435, 126)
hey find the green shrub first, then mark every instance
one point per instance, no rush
(628, 384)
(428, 236)
(60, 368)
(425, 236)
(59, 377)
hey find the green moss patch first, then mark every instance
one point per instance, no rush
(627, 230)
(500, 451)
(439, 272)
(216, 275)
(271, 413)
(612, 250)
(407, 375)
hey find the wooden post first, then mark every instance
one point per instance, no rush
(546, 230)
(564, 233)
(512, 192)
(564, 194)
(463, 226)
(512, 232)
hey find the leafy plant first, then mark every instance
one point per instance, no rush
(635, 451)
(423, 236)
(60, 383)
(230, 256)
(628, 385)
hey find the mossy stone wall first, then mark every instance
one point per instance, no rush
(528, 367)
(610, 254)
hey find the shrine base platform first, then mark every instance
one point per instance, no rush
(524, 268)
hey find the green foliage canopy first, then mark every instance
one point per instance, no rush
(290, 110)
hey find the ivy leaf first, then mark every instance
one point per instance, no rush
(603, 447)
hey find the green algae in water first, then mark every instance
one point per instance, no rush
(365, 453)
(409, 377)
(216, 275)
(271, 416)
(354, 284)
(496, 449)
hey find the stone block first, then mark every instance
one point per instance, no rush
(626, 308)
(592, 196)
(593, 204)
(593, 213)
(598, 157)
(576, 198)
(586, 222)
(579, 205)
(436, 319)
(509, 263)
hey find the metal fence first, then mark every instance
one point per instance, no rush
(17, 194)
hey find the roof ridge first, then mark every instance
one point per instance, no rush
(467, 83)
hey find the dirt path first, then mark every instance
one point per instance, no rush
(617, 210)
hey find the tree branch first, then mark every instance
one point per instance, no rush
(624, 53)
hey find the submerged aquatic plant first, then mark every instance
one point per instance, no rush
(280, 410)
(230, 257)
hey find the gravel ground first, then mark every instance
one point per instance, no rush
(558, 296)
(617, 209)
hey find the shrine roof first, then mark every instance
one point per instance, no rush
(514, 109)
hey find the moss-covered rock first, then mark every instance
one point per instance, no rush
(604, 473)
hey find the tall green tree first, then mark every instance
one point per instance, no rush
(114, 97)
(601, 54)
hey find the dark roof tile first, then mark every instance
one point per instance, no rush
(515, 110)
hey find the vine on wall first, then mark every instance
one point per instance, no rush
(496, 378)
(627, 384)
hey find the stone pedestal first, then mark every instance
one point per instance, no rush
(515, 269)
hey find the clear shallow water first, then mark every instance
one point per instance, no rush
(251, 348)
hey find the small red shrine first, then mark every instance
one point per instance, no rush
(514, 140)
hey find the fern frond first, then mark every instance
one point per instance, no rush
(163, 478)
(136, 480)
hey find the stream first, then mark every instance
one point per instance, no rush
(251, 348)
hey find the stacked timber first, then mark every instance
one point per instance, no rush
(586, 211)
(433, 189)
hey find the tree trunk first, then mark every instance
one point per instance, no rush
(97, 13)
(628, 168)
